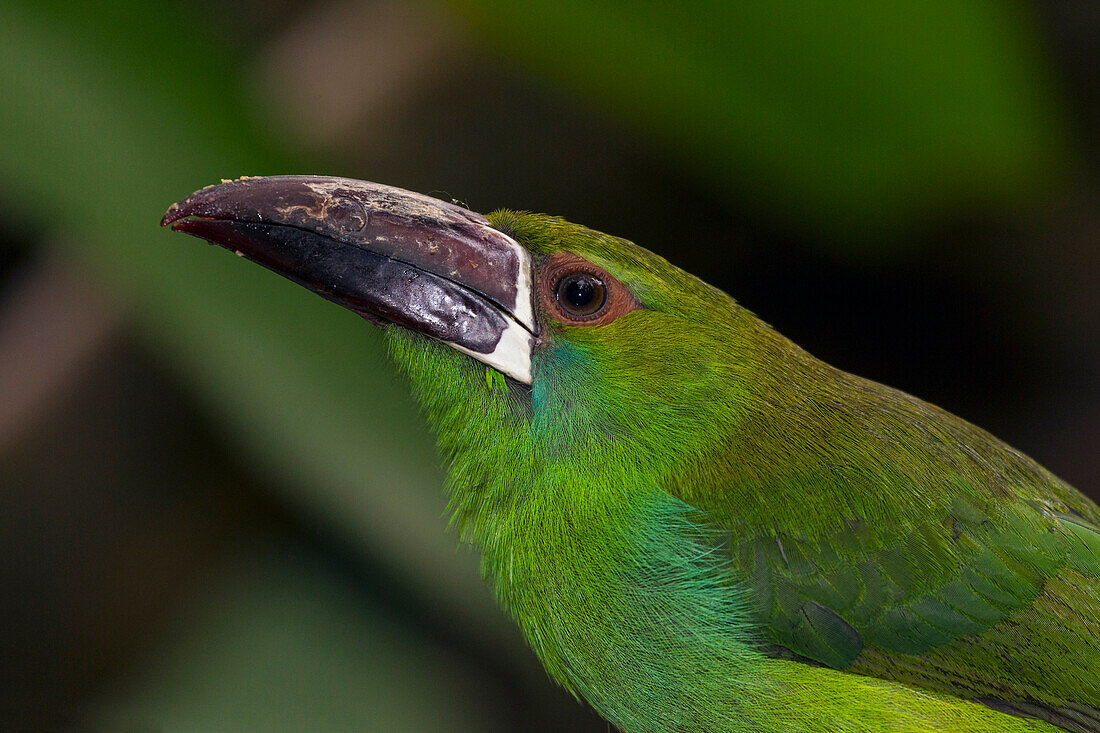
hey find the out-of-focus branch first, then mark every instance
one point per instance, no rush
(349, 61)
(51, 324)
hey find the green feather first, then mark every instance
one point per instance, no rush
(699, 526)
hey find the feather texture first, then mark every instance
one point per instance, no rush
(698, 526)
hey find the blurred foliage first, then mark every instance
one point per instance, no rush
(305, 657)
(108, 124)
(848, 119)
(852, 117)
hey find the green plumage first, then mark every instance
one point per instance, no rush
(699, 526)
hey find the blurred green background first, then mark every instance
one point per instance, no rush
(218, 507)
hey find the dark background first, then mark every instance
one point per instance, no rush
(218, 507)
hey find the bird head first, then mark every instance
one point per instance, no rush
(535, 346)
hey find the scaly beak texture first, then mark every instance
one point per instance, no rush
(390, 255)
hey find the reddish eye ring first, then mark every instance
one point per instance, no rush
(573, 291)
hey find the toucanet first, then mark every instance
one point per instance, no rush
(697, 525)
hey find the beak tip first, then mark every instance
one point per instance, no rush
(171, 215)
(198, 201)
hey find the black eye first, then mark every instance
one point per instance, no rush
(581, 294)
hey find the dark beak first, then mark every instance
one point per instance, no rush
(390, 255)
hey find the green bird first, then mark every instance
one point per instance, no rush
(697, 525)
